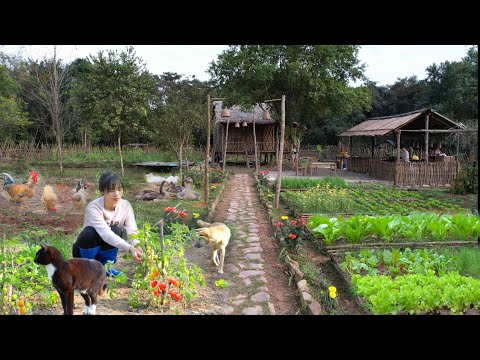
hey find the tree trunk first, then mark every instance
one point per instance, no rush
(180, 163)
(120, 151)
(57, 126)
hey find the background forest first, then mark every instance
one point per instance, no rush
(112, 99)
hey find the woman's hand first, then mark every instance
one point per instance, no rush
(137, 253)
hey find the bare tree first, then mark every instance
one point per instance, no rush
(48, 85)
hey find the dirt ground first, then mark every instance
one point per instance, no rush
(210, 300)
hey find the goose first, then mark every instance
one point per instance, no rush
(151, 195)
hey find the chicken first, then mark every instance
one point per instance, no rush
(20, 193)
(49, 198)
(79, 200)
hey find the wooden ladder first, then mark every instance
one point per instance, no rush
(250, 159)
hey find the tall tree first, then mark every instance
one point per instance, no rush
(117, 92)
(182, 113)
(314, 78)
(47, 84)
(452, 87)
(12, 116)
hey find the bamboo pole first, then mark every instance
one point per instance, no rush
(257, 170)
(427, 118)
(280, 155)
(226, 143)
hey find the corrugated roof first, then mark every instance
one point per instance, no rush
(237, 115)
(382, 126)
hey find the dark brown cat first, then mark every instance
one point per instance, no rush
(86, 276)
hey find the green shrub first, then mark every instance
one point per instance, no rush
(466, 181)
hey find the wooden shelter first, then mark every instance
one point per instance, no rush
(415, 127)
(245, 130)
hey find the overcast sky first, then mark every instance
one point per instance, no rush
(385, 63)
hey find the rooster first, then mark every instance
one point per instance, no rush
(49, 198)
(79, 200)
(20, 193)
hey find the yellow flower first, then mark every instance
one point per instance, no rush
(332, 289)
(333, 294)
(195, 215)
(284, 217)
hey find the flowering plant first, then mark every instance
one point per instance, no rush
(173, 215)
(329, 301)
(293, 231)
(263, 177)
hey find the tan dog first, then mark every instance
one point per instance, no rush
(218, 234)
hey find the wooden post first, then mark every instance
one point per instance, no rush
(280, 155)
(207, 152)
(225, 147)
(255, 146)
(458, 144)
(427, 116)
(372, 147)
(398, 144)
(277, 144)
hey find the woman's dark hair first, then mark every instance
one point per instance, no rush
(109, 181)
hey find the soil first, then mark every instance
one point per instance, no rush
(15, 219)
(283, 296)
(346, 302)
(210, 300)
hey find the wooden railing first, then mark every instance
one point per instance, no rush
(432, 173)
(413, 174)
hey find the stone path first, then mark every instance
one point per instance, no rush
(250, 294)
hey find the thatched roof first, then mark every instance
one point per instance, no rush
(237, 115)
(415, 120)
